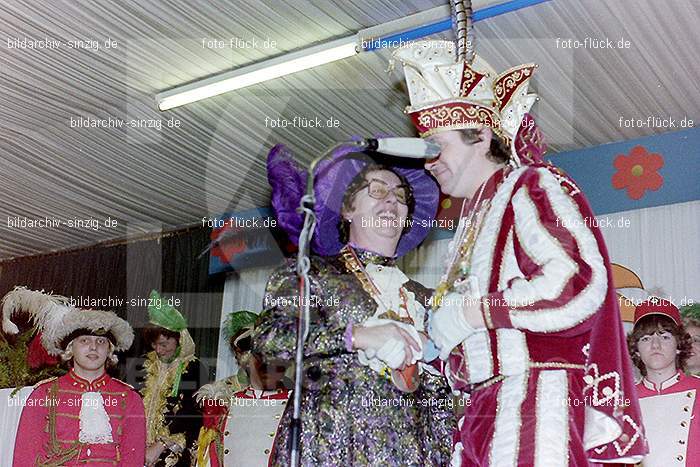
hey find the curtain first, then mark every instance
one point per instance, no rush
(243, 290)
(125, 274)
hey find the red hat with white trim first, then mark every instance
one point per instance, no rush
(657, 306)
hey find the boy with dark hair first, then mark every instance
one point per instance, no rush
(172, 375)
(659, 346)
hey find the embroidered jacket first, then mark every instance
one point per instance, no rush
(239, 430)
(49, 427)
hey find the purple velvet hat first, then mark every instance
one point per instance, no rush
(333, 176)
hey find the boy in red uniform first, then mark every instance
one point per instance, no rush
(660, 346)
(239, 425)
(85, 416)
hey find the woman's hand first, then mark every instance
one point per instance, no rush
(396, 344)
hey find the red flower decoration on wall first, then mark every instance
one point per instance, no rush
(638, 172)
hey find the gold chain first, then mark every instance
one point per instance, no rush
(462, 258)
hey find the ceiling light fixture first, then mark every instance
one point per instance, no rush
(258, 72)
(405, 29)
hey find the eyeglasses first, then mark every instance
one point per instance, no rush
(379, 189)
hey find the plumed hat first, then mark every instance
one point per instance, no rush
(332, 178)
(691, 311)
(164, 315)
(238, 320)
(59, 323)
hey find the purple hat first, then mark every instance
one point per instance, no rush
(333, 176)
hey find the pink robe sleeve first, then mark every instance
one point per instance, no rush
(32, 438)
(134, 440)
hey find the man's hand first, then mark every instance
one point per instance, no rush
(452, 322)
(153, 452)
(396, 344)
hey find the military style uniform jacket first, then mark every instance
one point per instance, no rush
(242, 427)
(671, 417)
(49, 428)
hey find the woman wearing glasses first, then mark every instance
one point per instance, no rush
(368, 399)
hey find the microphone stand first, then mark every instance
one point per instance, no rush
(307, 204)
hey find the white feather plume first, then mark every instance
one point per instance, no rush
(55, 318)
(43, 308)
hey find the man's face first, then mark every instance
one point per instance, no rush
(165, 347)
(693, 362)
(658, 350)
(458, 167)
(379, 217)
(90, 352)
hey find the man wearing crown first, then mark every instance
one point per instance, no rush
(525, 313)
(85, 417)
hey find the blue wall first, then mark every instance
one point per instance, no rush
(592, 168)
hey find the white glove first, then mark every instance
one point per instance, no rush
(392, 351)
(448, 326)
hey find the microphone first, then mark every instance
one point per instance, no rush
(412, 148)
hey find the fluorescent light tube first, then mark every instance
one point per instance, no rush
(258, 72)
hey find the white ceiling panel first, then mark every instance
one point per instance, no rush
(153, 178)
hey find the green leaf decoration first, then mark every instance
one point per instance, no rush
(691, 311)
(15, 372)
(165, 315)
(238, 320)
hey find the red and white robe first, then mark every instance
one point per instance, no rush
(549, 379)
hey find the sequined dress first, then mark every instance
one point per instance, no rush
(352, 414)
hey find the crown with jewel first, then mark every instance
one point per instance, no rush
(451, 88)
